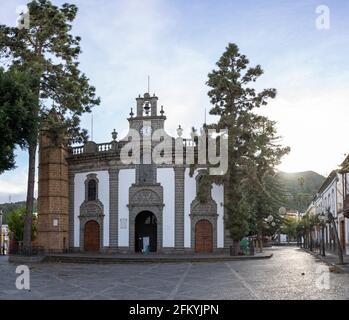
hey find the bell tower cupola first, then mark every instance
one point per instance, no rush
(147, 112)
(147, 105)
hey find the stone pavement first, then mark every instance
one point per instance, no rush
(290, 274)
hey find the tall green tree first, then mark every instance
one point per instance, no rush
(289, 227)
(16, 221)
(251, 149)
(265, 198)
(49, 52)
(16, 102)
(265, 192)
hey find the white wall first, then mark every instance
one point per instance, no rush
(218, 196)
(189, 196)
(126, 178)
(166, 177)
(79, 197)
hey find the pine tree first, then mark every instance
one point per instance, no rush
(252, 152)
(49, 52)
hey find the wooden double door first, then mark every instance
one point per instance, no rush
(203, 236)
(92, 236)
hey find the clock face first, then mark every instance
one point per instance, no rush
(146, 131)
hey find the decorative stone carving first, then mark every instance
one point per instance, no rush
(91, 209)
(149, 198)
(146, 173)
(145, 197)
(208, 208)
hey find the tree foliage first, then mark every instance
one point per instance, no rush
(265, 198)
(204, 188)
(289, 227)
(16, 123)
(16, 219)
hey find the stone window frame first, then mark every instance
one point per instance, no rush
(84, 218)
(135, 207)
(210, 215)
(89, 177)
(98, 217)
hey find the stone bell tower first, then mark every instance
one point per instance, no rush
(52, 193)
(146, 121)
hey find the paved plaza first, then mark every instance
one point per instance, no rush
(289, 274)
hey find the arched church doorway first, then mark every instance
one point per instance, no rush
(203, 236)
(145, 231)
(91, 236)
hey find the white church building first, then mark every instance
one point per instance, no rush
(92, 201)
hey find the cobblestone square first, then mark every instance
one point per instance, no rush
(289, 274)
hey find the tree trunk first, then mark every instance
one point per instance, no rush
(260, 240)
(235, 248)
(30, 199)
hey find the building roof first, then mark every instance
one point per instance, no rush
(328, 180)
(345, 165)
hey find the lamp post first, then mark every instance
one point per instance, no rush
(323, 219)
(340, 250)
(1, 251)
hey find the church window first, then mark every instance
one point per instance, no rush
(92, 190)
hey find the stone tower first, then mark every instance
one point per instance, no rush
(52, 195)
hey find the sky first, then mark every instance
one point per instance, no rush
(177, 43)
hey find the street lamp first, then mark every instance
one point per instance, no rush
(323, 219)
(1, 251)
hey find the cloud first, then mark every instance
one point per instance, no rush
(134, 39)
(13, 185)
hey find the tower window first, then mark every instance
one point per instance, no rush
(146, 108)
(92, 190)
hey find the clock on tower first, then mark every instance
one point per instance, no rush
(146, 131)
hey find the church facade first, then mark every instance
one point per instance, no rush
(89, 200)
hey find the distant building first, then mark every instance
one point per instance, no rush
(330, 197)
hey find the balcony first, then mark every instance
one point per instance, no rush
(346, 206)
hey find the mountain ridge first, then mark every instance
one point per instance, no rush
(300, 187)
